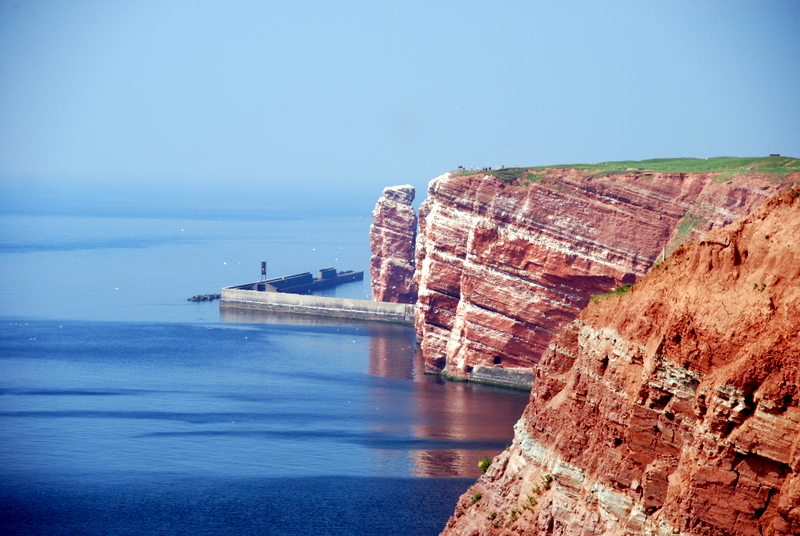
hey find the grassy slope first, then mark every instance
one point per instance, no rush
(777, 166)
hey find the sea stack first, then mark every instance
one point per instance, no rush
(392, 238)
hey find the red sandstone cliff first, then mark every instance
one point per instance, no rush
(674, 409)
(502, 268)
(392, 236)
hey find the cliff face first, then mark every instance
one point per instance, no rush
(674, 409)
(502, 268)
(392, 236)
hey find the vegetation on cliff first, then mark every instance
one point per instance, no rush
(776, 167)
(619, 291)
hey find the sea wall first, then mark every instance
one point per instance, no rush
(303, 283)
(317, 305)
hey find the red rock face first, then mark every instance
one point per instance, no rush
(392, 236)
(502, 268)
(674, 409)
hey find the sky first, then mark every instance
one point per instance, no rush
(283, 105)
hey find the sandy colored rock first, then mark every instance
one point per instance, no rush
(673, 409)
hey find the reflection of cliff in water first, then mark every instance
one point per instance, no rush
(468, 413)
(392, 352)
(455, 424)
(419, 423)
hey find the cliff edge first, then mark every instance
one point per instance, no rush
(672, 409)
(507, 258)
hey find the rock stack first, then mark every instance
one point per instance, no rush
(392, 239)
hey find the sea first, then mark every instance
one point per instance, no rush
(127, 409)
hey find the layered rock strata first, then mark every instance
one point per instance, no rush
(674, 409)
(392, 238)
(502, 268)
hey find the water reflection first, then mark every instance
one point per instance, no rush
(443, 412)
(438, 428)
(254, 316)
(392, 352)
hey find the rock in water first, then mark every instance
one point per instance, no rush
(672, 409)
(392, 237)
(503, 267)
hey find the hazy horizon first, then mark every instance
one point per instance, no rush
(288, 109)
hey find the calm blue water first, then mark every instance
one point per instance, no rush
(125, 409)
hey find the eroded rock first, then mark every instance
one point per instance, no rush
(502, 268)
(673, 409)
(392, 240)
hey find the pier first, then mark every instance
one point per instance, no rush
(303, 283)
(291, 295)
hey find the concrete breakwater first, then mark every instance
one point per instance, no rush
(304, 283)
(237, 298)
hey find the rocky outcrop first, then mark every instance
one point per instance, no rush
(392, 236)
(503, 267)
(673, 409)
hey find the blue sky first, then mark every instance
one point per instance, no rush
(232, 99)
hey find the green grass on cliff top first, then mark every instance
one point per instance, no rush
(778, 166)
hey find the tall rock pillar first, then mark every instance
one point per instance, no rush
(392, 237)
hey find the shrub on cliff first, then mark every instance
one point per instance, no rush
(619, 291)
(484, 464)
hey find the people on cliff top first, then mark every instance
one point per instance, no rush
(489, 168)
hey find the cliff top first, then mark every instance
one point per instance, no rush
(728, 167)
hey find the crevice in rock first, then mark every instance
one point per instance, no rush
(603, 366)
(737, 257)
(760, 511)
(700, 406)
(650, 510)
(787, 401)
(658, 399)
(728, 428)
(749, 406)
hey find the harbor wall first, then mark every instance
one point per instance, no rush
(317, 305)
(303, 283)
